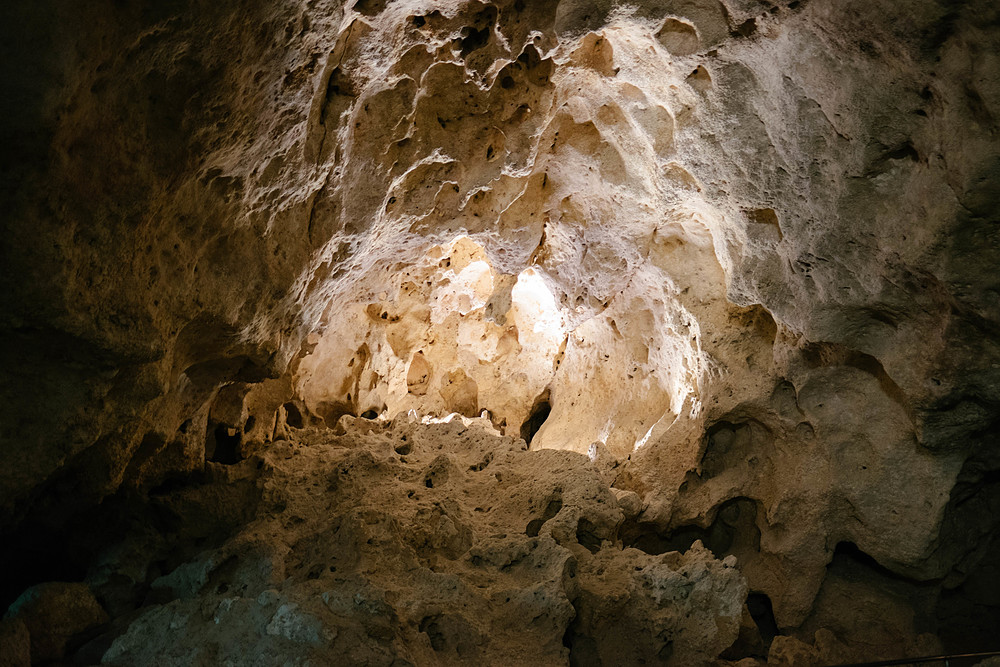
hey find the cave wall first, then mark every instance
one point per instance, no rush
(148, 255)
(740, 250)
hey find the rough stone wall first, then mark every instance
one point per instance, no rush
(152, 221)
(748, 238)
(407, 543)
(741, 253)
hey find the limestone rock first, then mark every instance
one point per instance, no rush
(53, 614)
(15, 643)
(436, 543)
(636, 608)
(741, 255)
(790, 652)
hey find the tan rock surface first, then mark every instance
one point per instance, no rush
(742, 255)
(443, 543)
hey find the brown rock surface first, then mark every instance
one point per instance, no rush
(53, 614)
(408, 543)
(15, 643)
(741, 254)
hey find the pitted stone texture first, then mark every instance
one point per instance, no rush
(439, 543)
(761, 237)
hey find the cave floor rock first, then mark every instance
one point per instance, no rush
(411, 543)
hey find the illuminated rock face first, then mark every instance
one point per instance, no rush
(742, 255)
(576, 262)
(688, 226)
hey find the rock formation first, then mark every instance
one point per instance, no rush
(500, 332)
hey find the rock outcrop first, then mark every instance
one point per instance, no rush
(409, 543)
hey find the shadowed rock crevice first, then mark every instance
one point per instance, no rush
(540, 411)
(733, 528)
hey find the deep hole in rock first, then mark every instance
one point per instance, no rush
(331, 411)
(653, 540)
(847, 555)
(734, 528)
(586, 535)
(539, 413)
(666, 652)
(474, 40)
(222, 444)
(429, 626)
(370, 7)
(725, 442)
(762, 613)
(293, 416)
(38, 553)
(582, 647)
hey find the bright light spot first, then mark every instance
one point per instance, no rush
(644, 438)
(535, 303)
(483, 420)
(430, 419)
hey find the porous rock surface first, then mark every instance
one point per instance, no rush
(740, 253)
(407, 543)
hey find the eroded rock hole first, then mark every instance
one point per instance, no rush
(452, 634)
(724, 442)
(293, 416)
(734, 531)
(552, 509)
(539, 413)
(331, 411)
(700, 79)
(222, 444)
(587, 535)
(370, 7)
(762, 613)
(847, 556)
(678, 37)
(582, 647)
(429, 626)
(474, 40)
